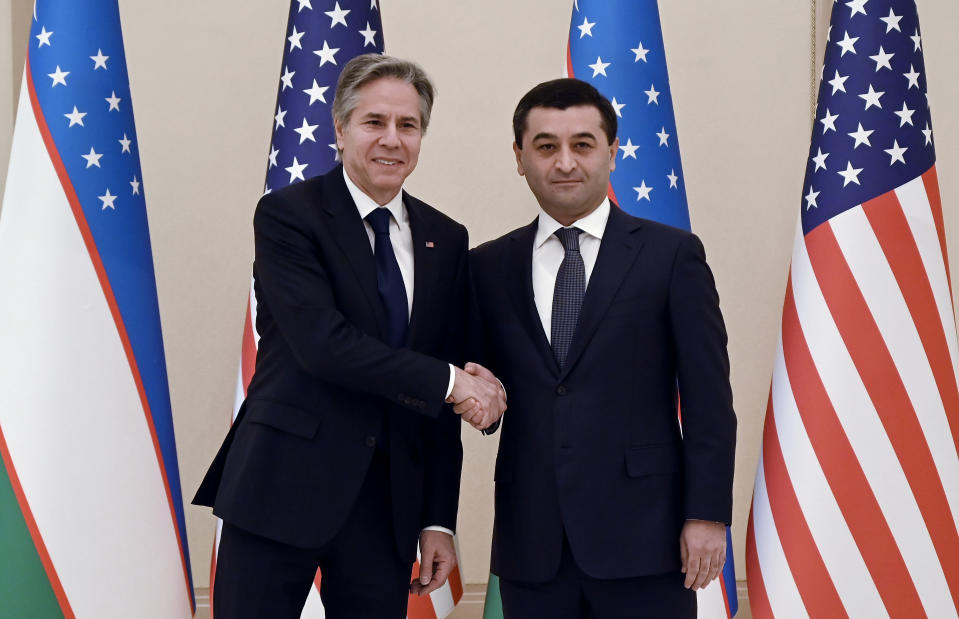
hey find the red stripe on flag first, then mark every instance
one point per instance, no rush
(930, 179)
(213, 573)
(845, 476)
(419, 607)
(456, 585)
(808, 570)
(317, 579)
(31, 523)
(758, 599)
(888, 221)
(97, 262)
(248, 354)
(882, 380)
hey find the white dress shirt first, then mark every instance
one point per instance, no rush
(400, 234)
(548, 254)
(402, 239)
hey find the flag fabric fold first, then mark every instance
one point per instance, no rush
(321, 37)
(617, 46)
(856, 499)
(90, 489)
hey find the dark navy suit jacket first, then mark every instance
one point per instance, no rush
(596, 449)
(327, 389)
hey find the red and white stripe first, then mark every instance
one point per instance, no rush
(438, 605)
(856, 502)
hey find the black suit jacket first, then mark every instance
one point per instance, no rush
(326, 388)
(595, 448)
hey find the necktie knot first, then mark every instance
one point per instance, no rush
(569, 237)
(379, 220)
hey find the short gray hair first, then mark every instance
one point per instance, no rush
(370, 67)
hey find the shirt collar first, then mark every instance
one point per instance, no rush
(593, 224)
(366, 205)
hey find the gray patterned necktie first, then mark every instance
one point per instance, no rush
(567, 294)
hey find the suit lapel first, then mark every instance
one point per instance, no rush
(424, 266)
(350, 234)
(519, 259)
(617, 252)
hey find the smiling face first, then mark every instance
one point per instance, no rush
(566, 159)
(380, 142)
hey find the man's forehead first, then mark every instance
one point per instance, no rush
(576, 119)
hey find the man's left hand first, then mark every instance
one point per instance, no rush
(437, 559)
(702, 550)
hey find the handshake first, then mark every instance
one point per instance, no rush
(477, 396)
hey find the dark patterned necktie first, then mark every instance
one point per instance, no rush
(567, 294)
(389, 280)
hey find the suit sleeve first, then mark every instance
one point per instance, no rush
(294, 282)
(476, 333)
(443, 448)
(708, 420)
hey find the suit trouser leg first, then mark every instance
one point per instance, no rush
(572, 594)
(259, 577)
(363, 576)
(645, 597)
(558, 598)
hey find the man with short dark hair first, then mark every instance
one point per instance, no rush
(599, 323)
(344, 452)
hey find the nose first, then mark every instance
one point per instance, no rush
(565, 161)
(390, 136)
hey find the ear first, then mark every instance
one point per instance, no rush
(519, 161)
(338, 129)
(613, 150)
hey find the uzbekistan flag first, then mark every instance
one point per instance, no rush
(856, 500)
(319, 41)
(91, 516)
(617, 46)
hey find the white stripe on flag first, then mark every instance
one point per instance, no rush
(915, 204)
(710, 603)
(442, 600)
(862, 426)
(314, 606)
(70, 410)
(834, 541)
(780, 588)
(887, 305)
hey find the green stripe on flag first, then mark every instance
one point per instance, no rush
(493, 608)
(25, 590)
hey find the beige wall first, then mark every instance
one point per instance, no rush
(203, 77)
(14, 24)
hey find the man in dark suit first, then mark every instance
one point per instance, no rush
(344, 452)
(599, 323)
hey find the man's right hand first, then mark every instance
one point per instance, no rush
(478, 395)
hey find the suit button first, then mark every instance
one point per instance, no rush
(371, 441)
(562, 390)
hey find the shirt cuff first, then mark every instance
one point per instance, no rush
(438, 528)
(449, 389)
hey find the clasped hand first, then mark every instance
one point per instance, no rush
(477, 396)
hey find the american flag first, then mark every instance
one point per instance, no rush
(857, 492)
(321, 37)
(617, 46)
(90, 485)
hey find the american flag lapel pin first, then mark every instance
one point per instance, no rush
(429, 244)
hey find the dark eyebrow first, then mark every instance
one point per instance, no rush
(549, 136)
